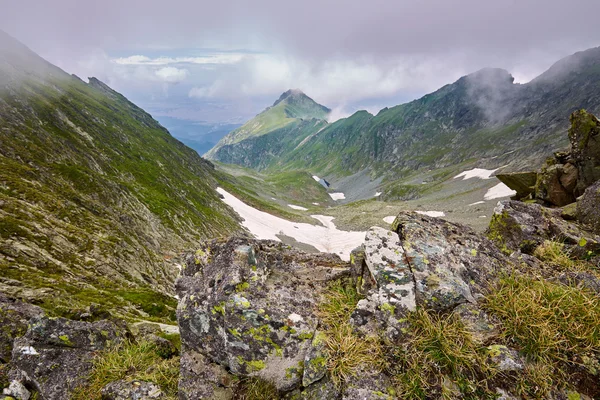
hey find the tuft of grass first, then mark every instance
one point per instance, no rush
(440, 346)
(554, 254)
(141, 361)
(346, 351)
(536, 381)
(253, 388)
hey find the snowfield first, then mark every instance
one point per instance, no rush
(432, 213)
(477, 173)
(389, 219)
(498, 191)
(325, 238)
(337, 196)
(297, 207)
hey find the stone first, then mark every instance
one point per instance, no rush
(549, 188)
(321, 390)
(132, 390)
(17, 391)
(584, 135)
(521, 182)
(14, 317)
(588, 208)
(569, 176)
(202, 379)
(517, 226)
(249, 306)
(477, 322)
(315, 361)
(368, 384)
(504, 358)
(55, 355)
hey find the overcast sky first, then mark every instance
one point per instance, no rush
(223, 60)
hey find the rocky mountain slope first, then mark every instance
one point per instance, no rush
(96, 198)
(482, 116)
(291, 119)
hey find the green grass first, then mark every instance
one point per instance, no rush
(131, 361)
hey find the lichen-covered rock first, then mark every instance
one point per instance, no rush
(517, 226)
(16, 390)
(132, 390)
(584, 135)
(315, 361)
(477, 322)
(369, 384)
(504, 359)
(14, 316)
(55, 355)
(249, 306)
(588, 207)
(201, 379)
(321, 390)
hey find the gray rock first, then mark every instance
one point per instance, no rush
(315, 361)
(505, 359)
(201, 379)
(549, 188)
(249, 306)
(477, 322)
(14, 317)
(517, 226)
(588, 208)
(321, 390)
(584, 136)
(17, 391)
(55, 355)
(368, 384)
(132, 390)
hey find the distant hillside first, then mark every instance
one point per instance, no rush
(292, 118)
(97, 199)
(483, 116)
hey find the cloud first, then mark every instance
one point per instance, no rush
(227, 58)
(171, 74)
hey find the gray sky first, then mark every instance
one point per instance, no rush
(224, 60)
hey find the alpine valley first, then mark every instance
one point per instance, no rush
(446, 248)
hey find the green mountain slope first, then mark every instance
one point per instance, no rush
(291, 118)
(96, 198)
(483, 116)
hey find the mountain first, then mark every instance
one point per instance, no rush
(97, 199)
(483, 116)
(292, 118)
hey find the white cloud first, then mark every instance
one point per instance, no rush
(171, 74)
(218, 58)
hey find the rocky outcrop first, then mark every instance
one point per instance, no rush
(14, 317)
(249, 306)
(566, 175)
(134, 390)
(55, 355)
(518, 226)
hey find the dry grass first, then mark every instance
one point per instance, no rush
(141, 361)
(554, 254)
(347, 352)
(253, 388)
(440, 346)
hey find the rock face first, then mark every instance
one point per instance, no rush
(54, 356)
(588, 207)
(14, 316)
(249, 306)
(517, 226)
(134, 390)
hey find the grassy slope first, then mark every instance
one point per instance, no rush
(96, 197)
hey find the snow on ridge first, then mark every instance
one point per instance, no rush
(477, 202)
(476, 173)
(316, 178)
(337, 196)
(325, 238)
(498, 191)
(297, 207)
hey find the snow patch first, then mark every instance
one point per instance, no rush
(297, 207)
(389, 219)
(432, 213)
(315, 204)
(316, 178)
(325, 238)
(337, 196)
(477, 202)
(477, 173)
(377, 194)
(498, 191)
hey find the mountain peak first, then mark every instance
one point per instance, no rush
(291, 94)
(491, 76)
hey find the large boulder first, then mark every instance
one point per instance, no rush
(588, 207)
(518, 226)
(55, 355)
(14, 317)
(249, 306)
(521, 182)
(584, 136)
(549, 188)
